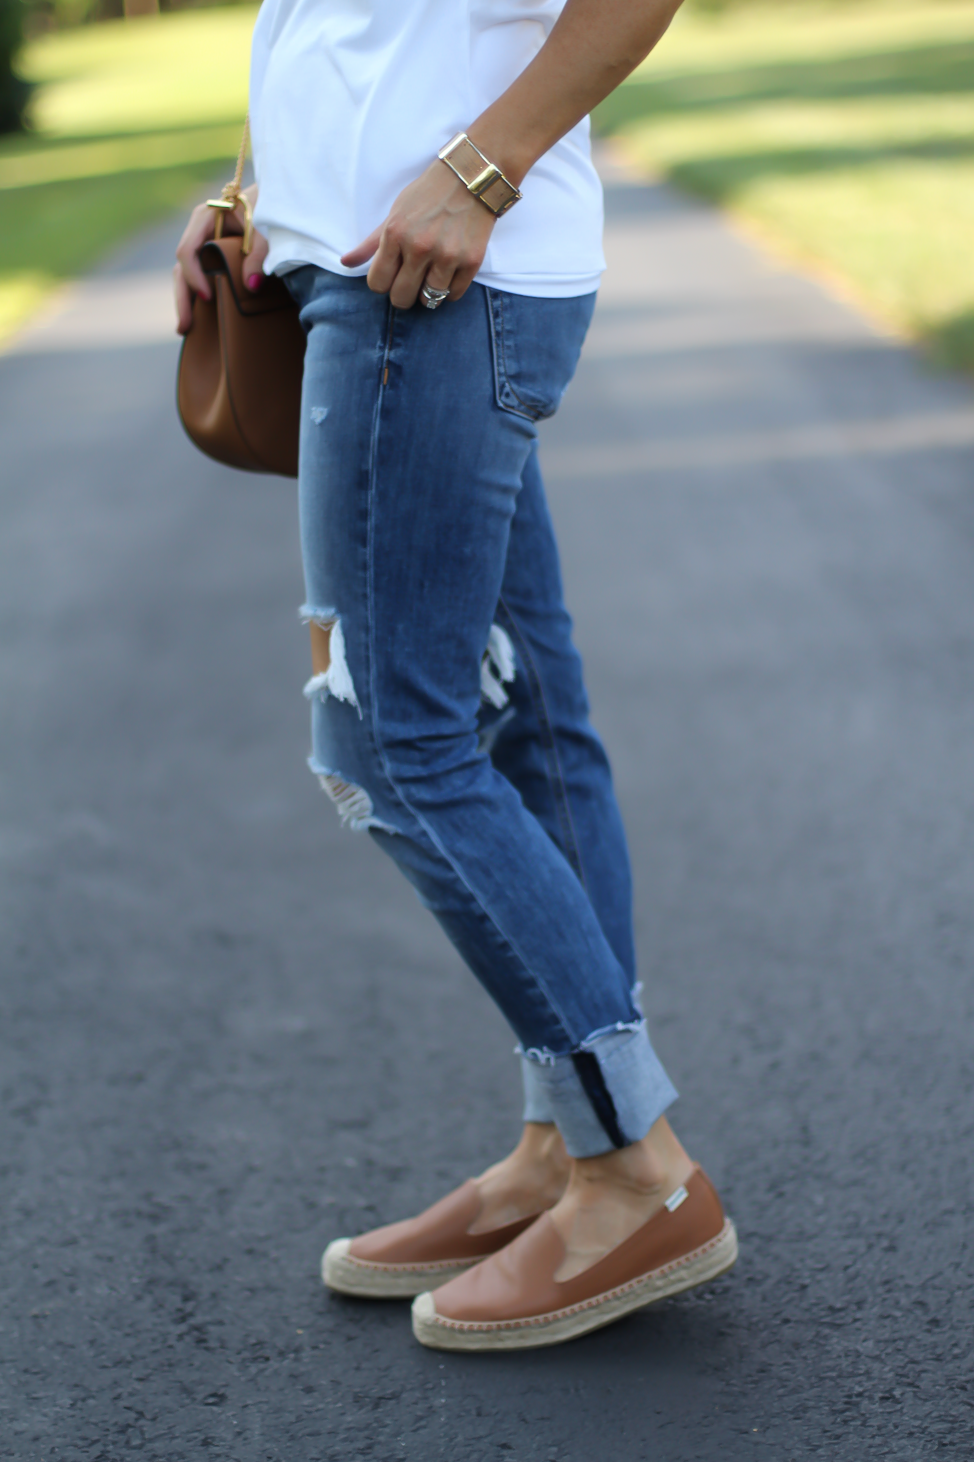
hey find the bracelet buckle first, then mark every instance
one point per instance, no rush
(479, 175)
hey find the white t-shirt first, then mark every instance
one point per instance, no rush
(350, 100)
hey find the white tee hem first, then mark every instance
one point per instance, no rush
(291, 251)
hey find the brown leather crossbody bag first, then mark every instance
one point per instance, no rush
(238, 384)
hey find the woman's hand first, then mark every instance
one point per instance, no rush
(436, 233)
(188, 277)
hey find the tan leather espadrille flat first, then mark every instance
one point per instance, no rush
(404, 1259)
(512, 1300)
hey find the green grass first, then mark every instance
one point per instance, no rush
(844, 132)
(130, 119)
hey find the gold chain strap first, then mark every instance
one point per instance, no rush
(232, 196)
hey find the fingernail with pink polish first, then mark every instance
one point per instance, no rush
(254, 281)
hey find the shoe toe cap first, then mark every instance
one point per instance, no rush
(332, 1260)
(426, 1325)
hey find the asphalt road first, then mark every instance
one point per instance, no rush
(230, 1032)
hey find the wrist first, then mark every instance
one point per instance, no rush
(512, 147)
(514, 162)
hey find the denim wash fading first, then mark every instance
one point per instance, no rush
(452, 722)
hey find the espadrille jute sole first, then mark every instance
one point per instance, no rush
(703, 1265)
(341, 1271)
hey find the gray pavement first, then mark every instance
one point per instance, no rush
(229, 1032)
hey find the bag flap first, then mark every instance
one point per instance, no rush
(224, 256)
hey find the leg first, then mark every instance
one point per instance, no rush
(407, 505)
(542, 740)
(410, 476)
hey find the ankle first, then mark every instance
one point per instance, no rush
(541, 1149)
(529, 1180)
(653, 1166)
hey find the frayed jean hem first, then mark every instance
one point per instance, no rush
(605, 1095)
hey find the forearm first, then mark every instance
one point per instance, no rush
(593, 46)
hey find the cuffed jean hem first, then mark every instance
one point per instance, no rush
(605, 1095)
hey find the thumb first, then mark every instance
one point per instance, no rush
(254, 262)
(363, 251)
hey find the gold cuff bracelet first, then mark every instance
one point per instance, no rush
(478, 174)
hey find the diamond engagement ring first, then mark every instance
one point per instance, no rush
(433, 298)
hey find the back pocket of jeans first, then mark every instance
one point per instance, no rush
(536, 344)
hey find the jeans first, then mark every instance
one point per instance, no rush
(451, 720)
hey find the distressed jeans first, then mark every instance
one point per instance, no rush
(449, 715)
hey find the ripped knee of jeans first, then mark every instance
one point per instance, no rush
(331, 677)
(329, 663)
(497, 668)
(352, 802)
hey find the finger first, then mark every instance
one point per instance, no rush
(363, 252)
(407, 283)
(416, 258)
(192, 273)
(197, 232)
(441, 274)
(184, 301)
(461, 282)
(386, 264)
(254, 262)
(201, 226)
(235, 222)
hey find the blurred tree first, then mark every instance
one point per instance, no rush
(48, 15)
(14, 90)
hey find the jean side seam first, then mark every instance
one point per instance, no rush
(556, 777)
(382, 384)
(375, 736)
